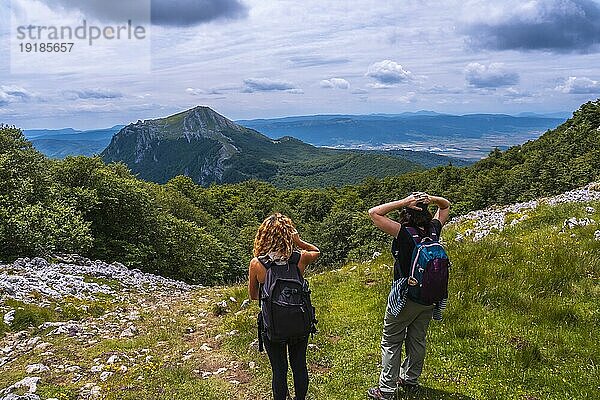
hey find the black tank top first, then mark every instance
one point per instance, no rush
(405, 245)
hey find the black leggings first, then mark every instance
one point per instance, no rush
(278, 358)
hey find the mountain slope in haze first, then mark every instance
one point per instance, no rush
(61, 143)
(208, 147)
(474, 134)
(58, 148)
(425, 158)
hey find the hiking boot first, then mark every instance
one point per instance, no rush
(409, 388)
(377, 394)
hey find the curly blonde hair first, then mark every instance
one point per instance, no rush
(276, 233)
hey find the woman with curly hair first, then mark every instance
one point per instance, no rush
(278, 242)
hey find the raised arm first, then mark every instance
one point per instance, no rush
(379, 214)
(310, 252)
(443, 208)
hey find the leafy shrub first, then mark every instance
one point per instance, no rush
(29, 315)
(33, 221)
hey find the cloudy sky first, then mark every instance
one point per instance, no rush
(268, 58)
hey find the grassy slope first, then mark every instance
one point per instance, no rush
(521, 324)
(154, 357)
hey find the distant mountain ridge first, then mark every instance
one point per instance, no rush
(559, 115)
(60, 143)
(470, 135)
(206, 146)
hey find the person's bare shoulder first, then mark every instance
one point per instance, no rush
(255, 264)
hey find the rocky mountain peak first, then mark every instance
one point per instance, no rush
(207, 118)
(195, 142)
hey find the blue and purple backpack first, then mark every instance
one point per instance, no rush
(428, 274)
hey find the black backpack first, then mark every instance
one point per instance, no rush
(286, 309)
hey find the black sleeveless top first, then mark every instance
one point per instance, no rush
(293, 260)
(405, 245)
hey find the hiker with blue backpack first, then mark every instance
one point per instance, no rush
(419, 290)
(287, 317)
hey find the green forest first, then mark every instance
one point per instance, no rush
(204, 234)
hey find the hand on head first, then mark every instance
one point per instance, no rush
(422, 197)
(416, 199)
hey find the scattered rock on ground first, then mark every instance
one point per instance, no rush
(9, 317)
(67, 276)
(494, 218)
(129, 332)
(574, 222)
(29, 383)
(112, 359)
(36, 368)
(105, 375)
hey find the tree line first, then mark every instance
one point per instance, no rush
(204, 234)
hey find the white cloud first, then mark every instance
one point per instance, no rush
(203, 92)
(410, 97)
(252, 85)
(92, 94)
(559, 26)
(513, 92)
(388, 73)
(334, 83)
(575, 85)
(492, 76)
(517, 96)
(14, 94)
(440, 89)
(196, 92)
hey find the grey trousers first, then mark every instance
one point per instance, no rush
(408, 328)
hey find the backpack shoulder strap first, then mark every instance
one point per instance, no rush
(414, 234)
(265, 261)
(432, 233)
(295, 258)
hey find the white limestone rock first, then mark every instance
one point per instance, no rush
(105, 375)
(29, 383)
(36, 368)
(9, 317)
(130, 331)
(112, 359)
